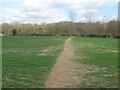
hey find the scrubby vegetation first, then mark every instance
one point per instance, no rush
(89, 29)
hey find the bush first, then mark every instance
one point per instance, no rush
(14, 32)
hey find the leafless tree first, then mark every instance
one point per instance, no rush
(72, 16)
(89, 15)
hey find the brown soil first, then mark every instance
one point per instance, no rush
(67, 73)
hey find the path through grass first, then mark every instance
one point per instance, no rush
(27, 60)
(102, 53)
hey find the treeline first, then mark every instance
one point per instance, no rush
(90, 29)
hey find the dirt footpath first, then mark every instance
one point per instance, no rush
(64, 73)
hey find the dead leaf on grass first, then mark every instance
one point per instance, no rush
(115, 51)
(107, 75)
(42, 54)
(79, 57)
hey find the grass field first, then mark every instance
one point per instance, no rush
(102, 53)
(27, 60)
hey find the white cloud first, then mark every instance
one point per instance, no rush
(11, 0)
(44, 13)
(48, 10)
(83, 11)
(73, 4)
(45, 8)
(9, 15)
(37, 4)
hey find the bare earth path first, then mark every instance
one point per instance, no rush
(64, 73)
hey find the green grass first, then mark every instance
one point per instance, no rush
(22, 64)
(98, 52)
(24, 67)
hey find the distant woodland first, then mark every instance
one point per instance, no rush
(66, 28)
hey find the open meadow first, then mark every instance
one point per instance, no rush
(28, 61)
(59, 44)
(102, 53)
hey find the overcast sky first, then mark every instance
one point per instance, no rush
(48, 11)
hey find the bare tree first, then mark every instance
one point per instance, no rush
(14, 24)
(72, 16)
(89, 15)
(105, 19)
